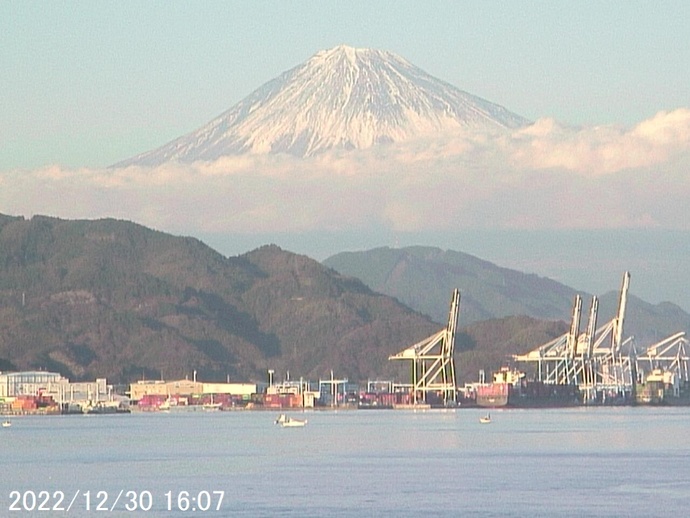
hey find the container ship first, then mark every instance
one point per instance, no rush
(509, 388)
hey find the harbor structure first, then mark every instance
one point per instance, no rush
(433, 362)
(332, 391)
(50, 392)
(662, 375)
(604, 366)
(290, 394)
(599, 362)
(186, 393)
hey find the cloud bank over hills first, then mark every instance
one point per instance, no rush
(545, 175)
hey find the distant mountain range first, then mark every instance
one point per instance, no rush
(114, 299)
(420, 278)
(342, 98)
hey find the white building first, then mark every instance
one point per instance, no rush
(35, 383)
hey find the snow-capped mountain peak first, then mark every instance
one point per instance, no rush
(344, 97)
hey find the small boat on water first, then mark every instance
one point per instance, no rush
(6, 423)
(486, 419)
(212, 406)
(290, 422)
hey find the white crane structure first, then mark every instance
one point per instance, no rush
(433, 366)
(670, 355)
(598, 361)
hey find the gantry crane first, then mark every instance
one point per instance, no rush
(433, 366)
(584, 359)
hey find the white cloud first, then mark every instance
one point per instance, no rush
(601, 150)
(544, 176)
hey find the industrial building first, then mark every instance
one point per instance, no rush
(29, 391)
(186, 393)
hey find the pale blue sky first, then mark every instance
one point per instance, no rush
(88, 83)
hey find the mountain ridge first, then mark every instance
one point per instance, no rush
(418, 276)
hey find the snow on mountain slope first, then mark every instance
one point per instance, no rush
(343, 98)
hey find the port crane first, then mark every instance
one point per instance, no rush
(669, 356)
(433, 366)
(599, 361)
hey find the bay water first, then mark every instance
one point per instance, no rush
(596, 462)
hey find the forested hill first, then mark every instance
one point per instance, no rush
(115, 299)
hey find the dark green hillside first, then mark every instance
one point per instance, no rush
(112, 298)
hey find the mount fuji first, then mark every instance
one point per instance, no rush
(342, 98)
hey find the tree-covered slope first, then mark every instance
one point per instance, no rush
(112, 298)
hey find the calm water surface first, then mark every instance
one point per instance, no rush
(541, 463)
